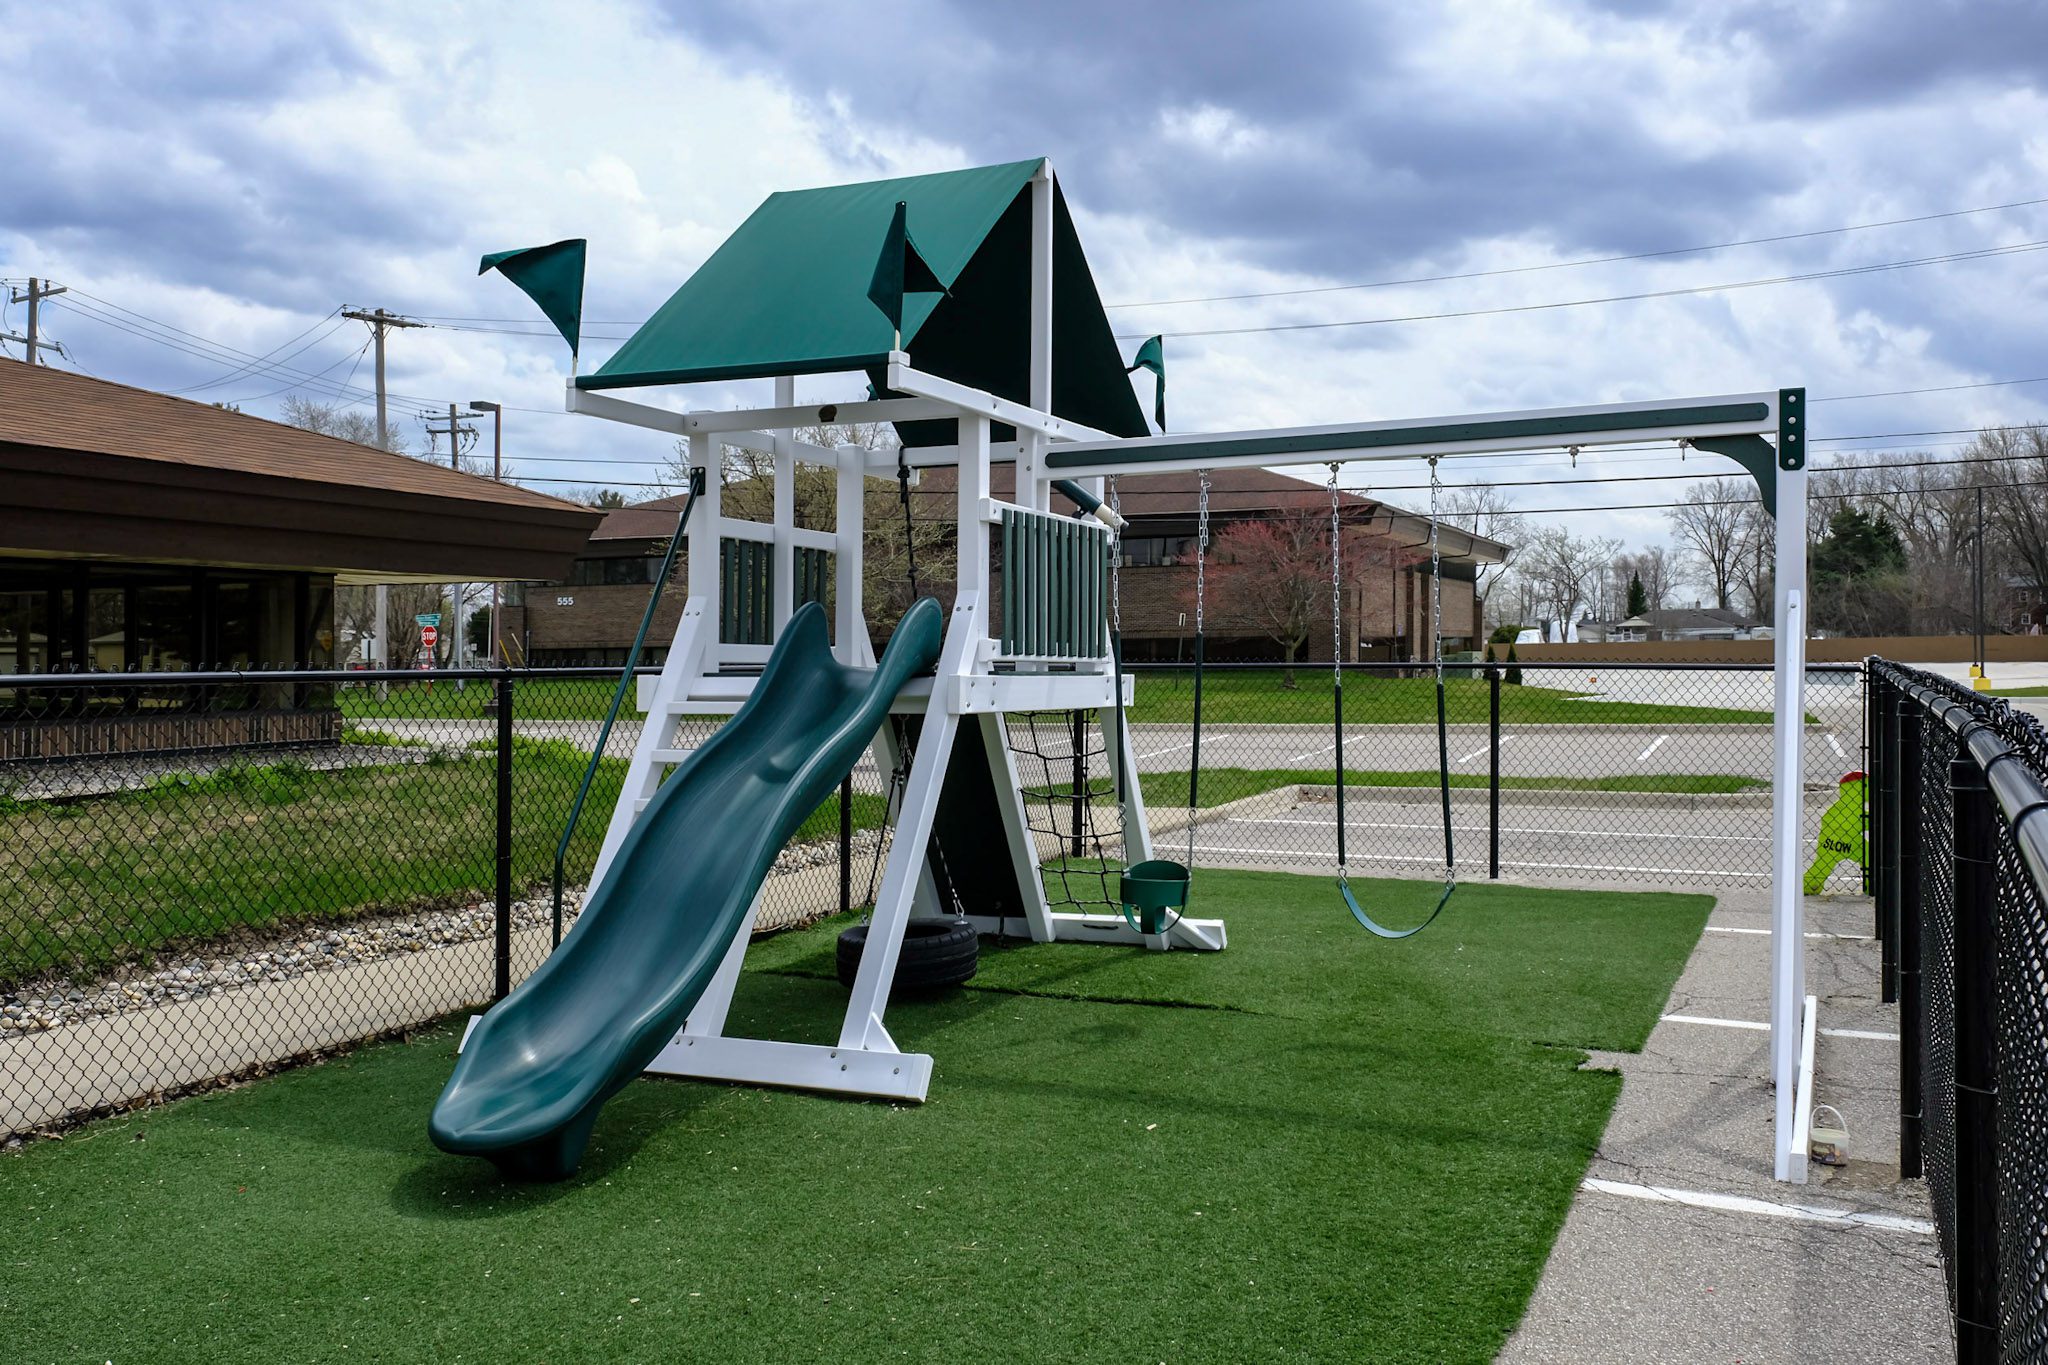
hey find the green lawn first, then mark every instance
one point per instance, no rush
(1257, 698)
(1220, 785)
(554, 699)
(2019, 691)
(87, 884)
(1347, 1151)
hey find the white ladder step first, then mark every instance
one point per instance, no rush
(672, 755)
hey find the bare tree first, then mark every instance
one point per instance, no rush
(340, 421)
(1565, 569)
(2018, 510)
(747, 493)
(1709, 523)
(1481, 510)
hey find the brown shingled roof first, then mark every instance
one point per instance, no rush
(63, 411)
(90, 469)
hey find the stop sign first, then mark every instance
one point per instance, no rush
(428, 635)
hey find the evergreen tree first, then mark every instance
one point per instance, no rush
(1638, 596)
(1513, 676)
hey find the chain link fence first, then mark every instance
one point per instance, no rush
(202, 876)
(1580, 772)
(1961, 823)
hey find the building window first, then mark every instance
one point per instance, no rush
(1149, 551)
(615, 572)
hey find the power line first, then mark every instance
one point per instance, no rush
(1938, 388)
(1420, 279)
(202, 348)
(255, 364)
(1586, 260)
(1982, 253)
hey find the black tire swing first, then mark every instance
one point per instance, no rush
(1153, 894)
(1443, 765)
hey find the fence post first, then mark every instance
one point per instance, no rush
(1891, 807)
(1493, 772)
(846, 844)
(1871, 837)
(503, 955)
(1912, 1011)
(1976, 1062)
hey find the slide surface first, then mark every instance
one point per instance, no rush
(538, 1067)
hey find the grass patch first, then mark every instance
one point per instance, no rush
(2019, 691)
(1365, 1157)
(532, 699)
(88, 884)
(1221, 785)
(1257, 698)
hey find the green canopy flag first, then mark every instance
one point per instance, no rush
(1152, 356)
(901, 269)
(552, 277)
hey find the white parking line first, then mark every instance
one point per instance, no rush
(1169, 749)
(1728, 929)
(1655, 745)
(1836, 745)
(1329, 749)
(1467, 758)
(1867, 1034)
(1737, 1203)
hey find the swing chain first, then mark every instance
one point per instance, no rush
(1116, 560)
(1337, 657)
(1201, 546)
(1436, 581)
(1336, 583)
(1436, 575)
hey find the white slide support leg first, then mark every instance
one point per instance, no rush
(863, 1028)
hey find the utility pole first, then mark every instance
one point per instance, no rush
(455, 431)
(498, 473)
(37, 291)
(379, 320)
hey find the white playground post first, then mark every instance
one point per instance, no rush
(1788, 795)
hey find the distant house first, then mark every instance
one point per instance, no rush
(1675, 623)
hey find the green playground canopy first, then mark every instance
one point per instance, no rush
(788, 294)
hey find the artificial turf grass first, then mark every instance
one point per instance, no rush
(1317, 1195)
(1573, 968)
(1373, 1168)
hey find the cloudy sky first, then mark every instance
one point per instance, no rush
(214, 182)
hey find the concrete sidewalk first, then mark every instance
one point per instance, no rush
(1680, 1247)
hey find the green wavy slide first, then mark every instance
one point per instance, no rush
(537, 1069)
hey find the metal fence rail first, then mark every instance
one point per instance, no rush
(1962, 902)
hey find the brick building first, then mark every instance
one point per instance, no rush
(590, 616)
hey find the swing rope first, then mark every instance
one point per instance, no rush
(1443, 766)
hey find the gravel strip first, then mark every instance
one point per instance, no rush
(53, 1002)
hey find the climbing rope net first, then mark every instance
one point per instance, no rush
(1068, 787)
